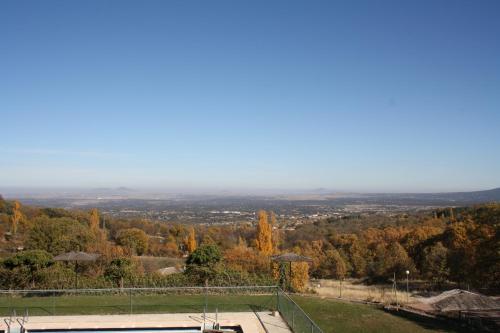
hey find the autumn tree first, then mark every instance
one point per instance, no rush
(101, 244)
(417, 236)
(461, 256)
(94, 219)
(488, 262)
(273, 220)
(356, 254)
(264, 235)
(390, 260)
(336, 264)
(191, 241)
(134, 240)
(244, 258)
(300, 276)
(16, 216)
(276, 236)
(2, 204)
(434, 266)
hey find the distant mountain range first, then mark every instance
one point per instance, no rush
(317, 195)
(449, 198)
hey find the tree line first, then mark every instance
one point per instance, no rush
(458, 245)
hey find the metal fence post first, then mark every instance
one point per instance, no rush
(278, 299)
(53, 303)
(130, 301)
(206, 297)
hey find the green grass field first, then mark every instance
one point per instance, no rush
(337, 316)
(126, 304)
(330, 315)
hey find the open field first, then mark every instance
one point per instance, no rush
(330, 315)
(351, 290)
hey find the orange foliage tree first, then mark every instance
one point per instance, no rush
(191, 241)
(94, 219)
(243, 258)
(300, 276)
(16, 216)
(264, 235)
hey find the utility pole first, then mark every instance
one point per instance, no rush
(395, 288)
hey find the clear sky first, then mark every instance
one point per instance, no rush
(348, 95)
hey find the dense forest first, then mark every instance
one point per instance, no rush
(458, 245)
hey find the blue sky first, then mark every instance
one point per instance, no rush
(348, 95)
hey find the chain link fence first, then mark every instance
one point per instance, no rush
(156, 300)
(137, 300)
(295, 317)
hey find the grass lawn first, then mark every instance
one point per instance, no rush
(330, 315)
(125, 304)
(337, 316)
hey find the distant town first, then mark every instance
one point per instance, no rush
(290, 209)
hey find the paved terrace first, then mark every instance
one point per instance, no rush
(248, 321)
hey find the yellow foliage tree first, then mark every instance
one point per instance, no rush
(16, 216)
(101, 244)
(272, 217)
(276, 236)
(241, 242)
(94, 219)
(191, 241)
(300, 276)
(264, 235)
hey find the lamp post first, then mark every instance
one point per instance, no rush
(407, 288)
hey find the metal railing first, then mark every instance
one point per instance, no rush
(205, 300)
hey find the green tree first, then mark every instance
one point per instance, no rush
(28, 263)
(205, 255)
(202, 264)
(119, 269)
